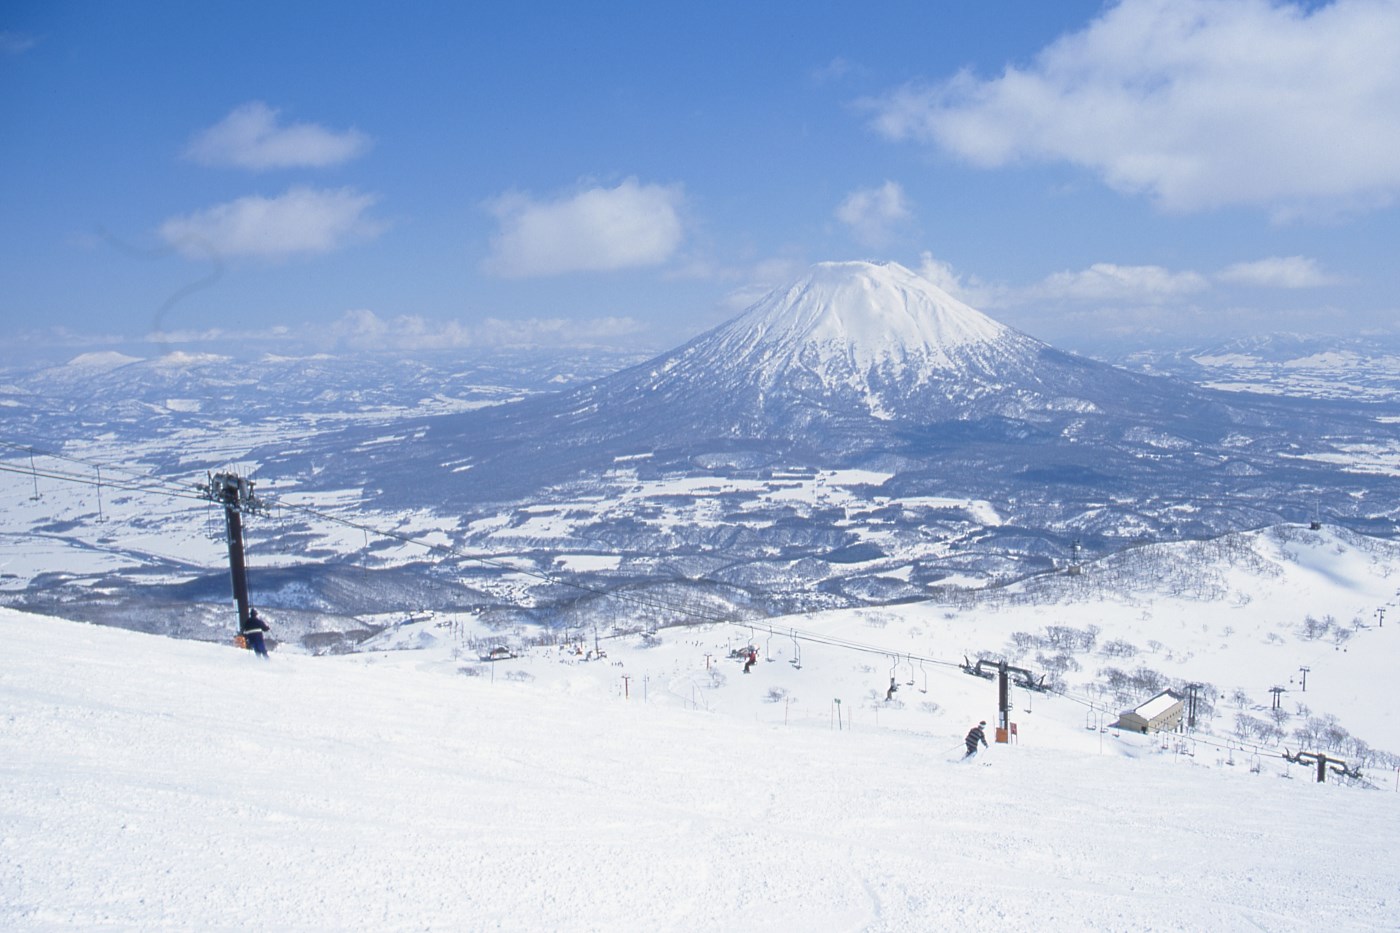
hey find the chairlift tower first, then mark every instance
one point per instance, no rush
(985, 668)
(1191, 689)
(235, 494)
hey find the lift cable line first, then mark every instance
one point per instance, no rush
(153, 485)
(136, 482)
(125, 485)
(198, 493)
(143, 482)
(202, 493)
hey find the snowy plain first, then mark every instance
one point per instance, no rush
(153, 783)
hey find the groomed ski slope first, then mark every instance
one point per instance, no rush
(148, 783)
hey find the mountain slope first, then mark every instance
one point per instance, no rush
(874, 333)
(143, 788)
(853, 343)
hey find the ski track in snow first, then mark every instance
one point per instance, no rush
(152, 783)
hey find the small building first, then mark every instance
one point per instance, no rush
(1162, 713)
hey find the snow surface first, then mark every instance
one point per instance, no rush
(871, 330)
(872, 311)
(152, 783)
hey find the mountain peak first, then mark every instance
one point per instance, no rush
(844, 341)
(868, 314)
(875, 333)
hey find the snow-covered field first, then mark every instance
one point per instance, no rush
(152, 783)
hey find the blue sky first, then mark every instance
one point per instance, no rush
(440, 175)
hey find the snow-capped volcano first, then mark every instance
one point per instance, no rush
(858, 332)
(866, 366)
(864, 315)
(850, 361)
(849, 342)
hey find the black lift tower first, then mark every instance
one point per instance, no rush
(235, 494)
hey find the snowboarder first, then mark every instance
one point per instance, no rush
(752, 657)
(253, 634)
(975, 735)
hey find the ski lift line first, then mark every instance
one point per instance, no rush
(645, 602)
(795, 634)
(144, 483)
(845, 644)
(135, 482)
(131, 474)
(124, 485)
(145, 486)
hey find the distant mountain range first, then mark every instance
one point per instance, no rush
(856, 437)
(859, 365)
(1305, 366)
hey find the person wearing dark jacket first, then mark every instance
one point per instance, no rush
(975, 735)
(253, 634)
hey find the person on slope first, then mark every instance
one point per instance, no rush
(253, 634)
(752, 657)
(975, 735)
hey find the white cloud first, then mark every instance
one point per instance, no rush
(874, 213)
(304, 220)
(968, 289)
(943, 275)
(1277, 272)
(1194, 103)
(16, 43)
(251, 137)
(365, 330)
(836, 70)
(596, 230)
(1105, 281)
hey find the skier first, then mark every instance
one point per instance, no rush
(889, 694)
(975, 735)
(750, 659)
(253, 634)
